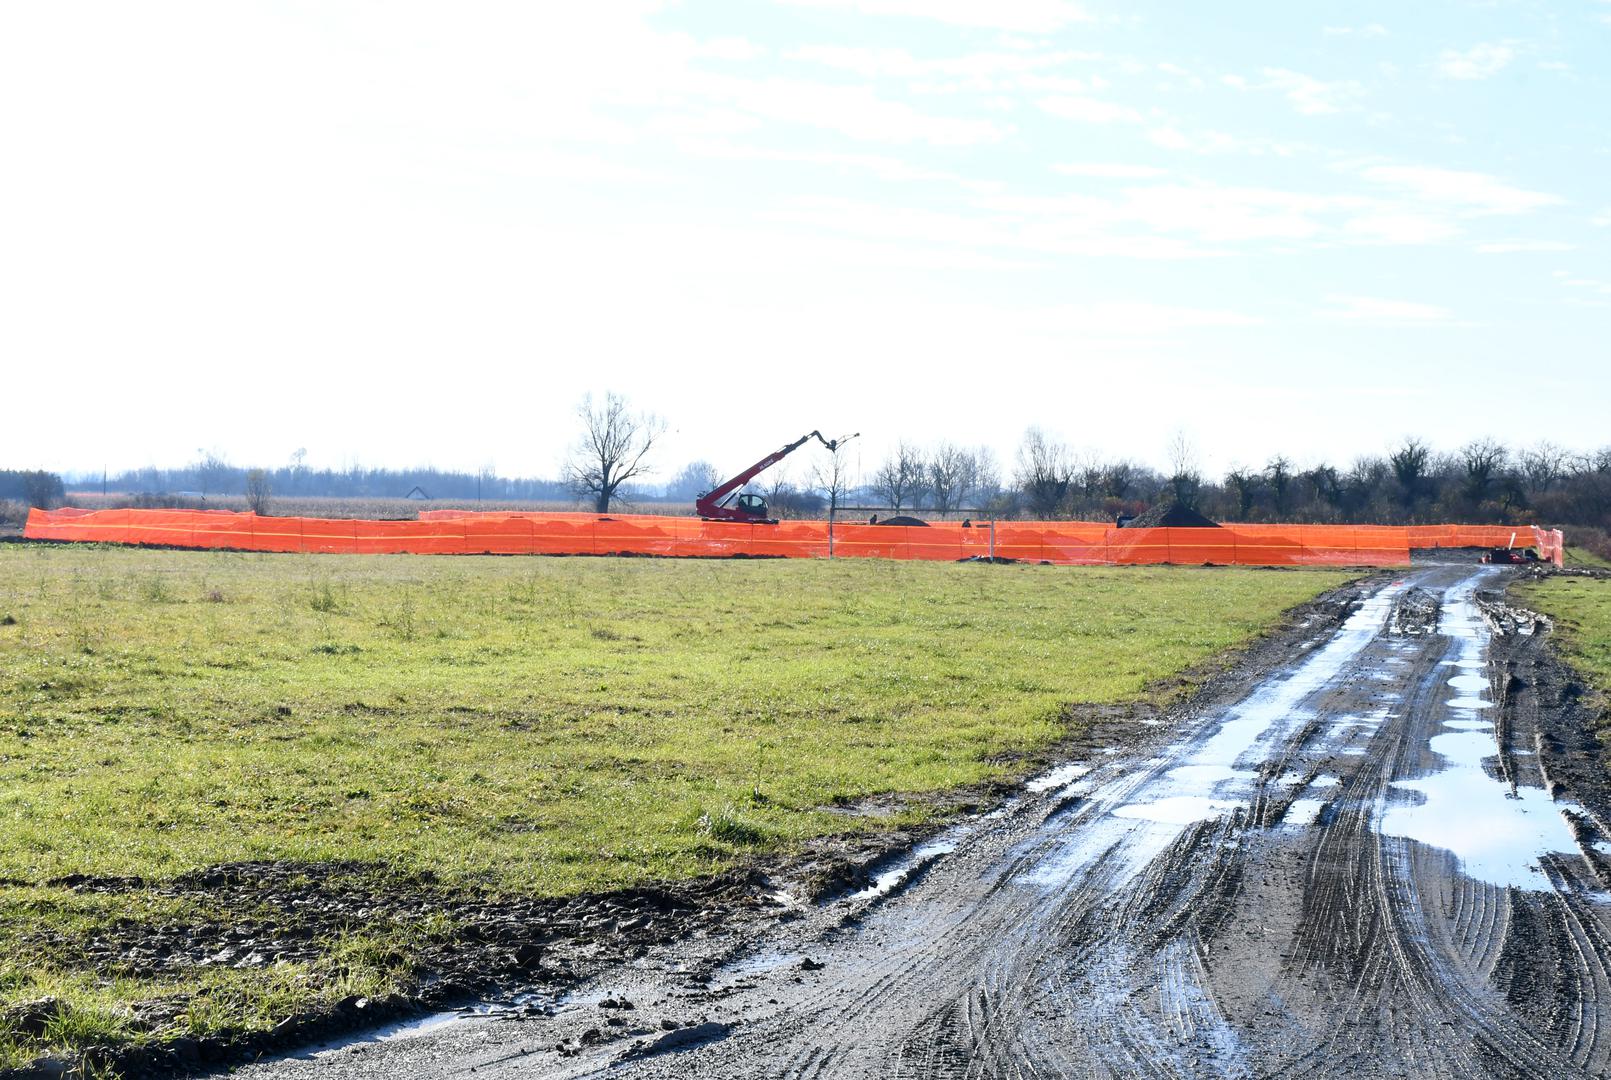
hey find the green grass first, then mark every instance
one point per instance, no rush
(530, 726)
(1581, 608)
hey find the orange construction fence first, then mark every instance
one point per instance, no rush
(1069, 543)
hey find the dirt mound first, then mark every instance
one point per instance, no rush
(1172, 515)
(902, 519)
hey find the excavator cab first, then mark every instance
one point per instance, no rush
(752, 505)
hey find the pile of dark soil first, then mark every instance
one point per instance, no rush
(1172, 515)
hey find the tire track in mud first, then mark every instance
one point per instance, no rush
(1249, 901)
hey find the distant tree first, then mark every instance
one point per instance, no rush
(1118, 478)
(1184, 478)
(831, 477)
(1411, 462)
(1543, 466)
(1279, 474)
(899, 481)
(34, 487)
(1044, 473)
(1483, 460)
(1243, 485)
(611, 450)
(258, 490)
(951, 471)
(1328, 485)
(694, 480)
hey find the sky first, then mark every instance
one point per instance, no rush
(402, 233)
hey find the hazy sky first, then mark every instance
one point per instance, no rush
(400, 233)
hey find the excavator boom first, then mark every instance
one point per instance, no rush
(713, 505)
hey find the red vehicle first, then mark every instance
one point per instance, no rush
(719, 504)
(1510, 556)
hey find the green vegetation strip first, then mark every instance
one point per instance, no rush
(532, 726)
(1581, 608)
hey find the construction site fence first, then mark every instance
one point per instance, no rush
(1068, 543)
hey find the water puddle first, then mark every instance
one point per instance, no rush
(919, 859)
(1061, 776)
(1497, 833)
(1176, 810)
(1304, 812)
(1136, 816)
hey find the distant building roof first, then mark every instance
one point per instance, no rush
(417, 493)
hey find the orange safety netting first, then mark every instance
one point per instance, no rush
(465, 533)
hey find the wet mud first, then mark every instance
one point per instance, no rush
(1384, 856)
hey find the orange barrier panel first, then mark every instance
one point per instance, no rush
(1067, 543)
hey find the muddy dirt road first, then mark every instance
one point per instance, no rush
(1358, 869)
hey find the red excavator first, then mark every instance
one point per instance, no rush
(715, 505)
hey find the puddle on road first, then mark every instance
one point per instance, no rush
(1058, 777)
(919, 859)
(1137, 816)
(1177, 809)
(1497, 834)
(1304, 812)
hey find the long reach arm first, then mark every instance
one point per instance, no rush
(711, 504)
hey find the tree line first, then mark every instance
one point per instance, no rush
(613, 458)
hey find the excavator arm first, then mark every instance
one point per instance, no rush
(713, 505)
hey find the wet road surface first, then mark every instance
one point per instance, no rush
(1355, 870)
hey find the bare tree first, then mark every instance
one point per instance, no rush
(1411, 461)
(1244, 484)
(1483, 460)
(1183, 475)
(950, 470)
(1543, 466)
(258, 491)
(899, 481)
(832, 477)
(696, 478)
(1044, 473)
(611, 449)
(1118, 478)
(1279, 473)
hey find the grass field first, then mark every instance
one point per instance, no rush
(1581, 608)
(530, 726)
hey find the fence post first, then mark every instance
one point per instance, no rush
(992, 540)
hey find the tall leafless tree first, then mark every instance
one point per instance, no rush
(1044, 473)
(831, 476)
(611, 450)
(258, 491)
(1183, 475)
(1483, 460)
(951, 472)
(900, 480)
(1412, 462)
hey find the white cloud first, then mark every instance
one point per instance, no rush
(1399, 227)
(1089, 110)
(1478, 62)
(1506, 247)
(1311, 96)
(854, 111)
(1470, 192)
(898, 63)
(1110, 170)
(1019, 16)
(1602, 219)
(1371, 309)
(1216, 142)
